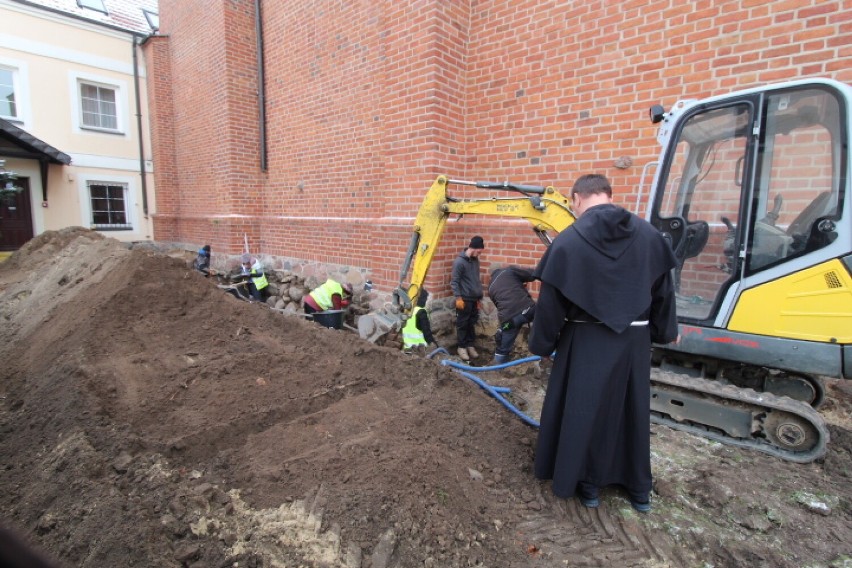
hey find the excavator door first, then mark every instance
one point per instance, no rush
(751, 189)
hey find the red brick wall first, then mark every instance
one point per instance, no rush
(205, 130)
(368, 101)
(159, 79)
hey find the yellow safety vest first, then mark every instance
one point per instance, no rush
(260, 282)
(411, 334)
(322, 294)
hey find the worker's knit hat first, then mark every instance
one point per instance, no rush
(476, 243)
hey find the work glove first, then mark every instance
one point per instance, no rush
(459, 303)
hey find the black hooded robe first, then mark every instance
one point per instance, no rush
(609, 270)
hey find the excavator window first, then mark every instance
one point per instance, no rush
(797, 189)
(702, 201)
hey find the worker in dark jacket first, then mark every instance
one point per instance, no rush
(467, 288)
(202, 261)
(515, 306)
(417, 331)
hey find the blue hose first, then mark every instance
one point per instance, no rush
(464, 367)
(496, 392)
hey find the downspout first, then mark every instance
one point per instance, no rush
(139, 130)
(261, 85)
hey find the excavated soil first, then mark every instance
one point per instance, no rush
(147, 419)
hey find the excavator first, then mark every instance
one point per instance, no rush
(753, 190)
(547, 211)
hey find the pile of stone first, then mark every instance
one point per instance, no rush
(287, 290)
(290, 280)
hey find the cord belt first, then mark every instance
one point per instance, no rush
(637, 323)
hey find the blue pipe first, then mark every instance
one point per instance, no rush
(512, 363)
(496, 392)
(493, 392)
(436, 351)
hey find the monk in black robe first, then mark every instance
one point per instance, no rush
(606, 294)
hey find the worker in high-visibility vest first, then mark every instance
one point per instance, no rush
(251, 271)
(330, 295)
(417, 331)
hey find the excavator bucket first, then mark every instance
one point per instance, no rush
(376, 325)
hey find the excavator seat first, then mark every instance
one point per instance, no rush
(694, 240)
(695, 236)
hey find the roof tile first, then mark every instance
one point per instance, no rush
(125, 14)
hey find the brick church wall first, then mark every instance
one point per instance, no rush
(367, 102)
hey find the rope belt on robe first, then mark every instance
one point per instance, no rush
(638, 323)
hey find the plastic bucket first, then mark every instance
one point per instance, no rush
(329, 318)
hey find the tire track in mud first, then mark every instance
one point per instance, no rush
(565, 533)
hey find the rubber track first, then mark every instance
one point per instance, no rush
(759, 402)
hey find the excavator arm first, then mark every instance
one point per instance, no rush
(543, 207)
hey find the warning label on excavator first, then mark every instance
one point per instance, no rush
(507, 208)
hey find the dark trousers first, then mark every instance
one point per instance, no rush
(309, 309)
(256, 294)
(505, 340)
(466, 323)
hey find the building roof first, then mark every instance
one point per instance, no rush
(127, 15)
(19, 143)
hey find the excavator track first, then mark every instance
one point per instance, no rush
(776, 425)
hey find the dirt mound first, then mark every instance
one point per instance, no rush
(149, 419)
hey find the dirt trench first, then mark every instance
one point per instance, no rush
(148, 419)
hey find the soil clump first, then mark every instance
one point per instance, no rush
(148, 419)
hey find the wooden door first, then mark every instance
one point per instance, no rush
(16, 219)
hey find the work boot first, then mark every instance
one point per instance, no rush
(463, 354)
(472, 352)
(500, 359)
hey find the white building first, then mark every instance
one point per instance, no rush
(73, 117)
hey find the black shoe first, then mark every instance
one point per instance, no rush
(641, 502)
(589, 497)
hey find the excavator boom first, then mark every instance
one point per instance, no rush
(546, 210)
(543, 207)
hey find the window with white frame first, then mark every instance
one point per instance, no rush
(8, 93)
(153, 20)
(99, 106)
(93, 5)
(109, 205)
